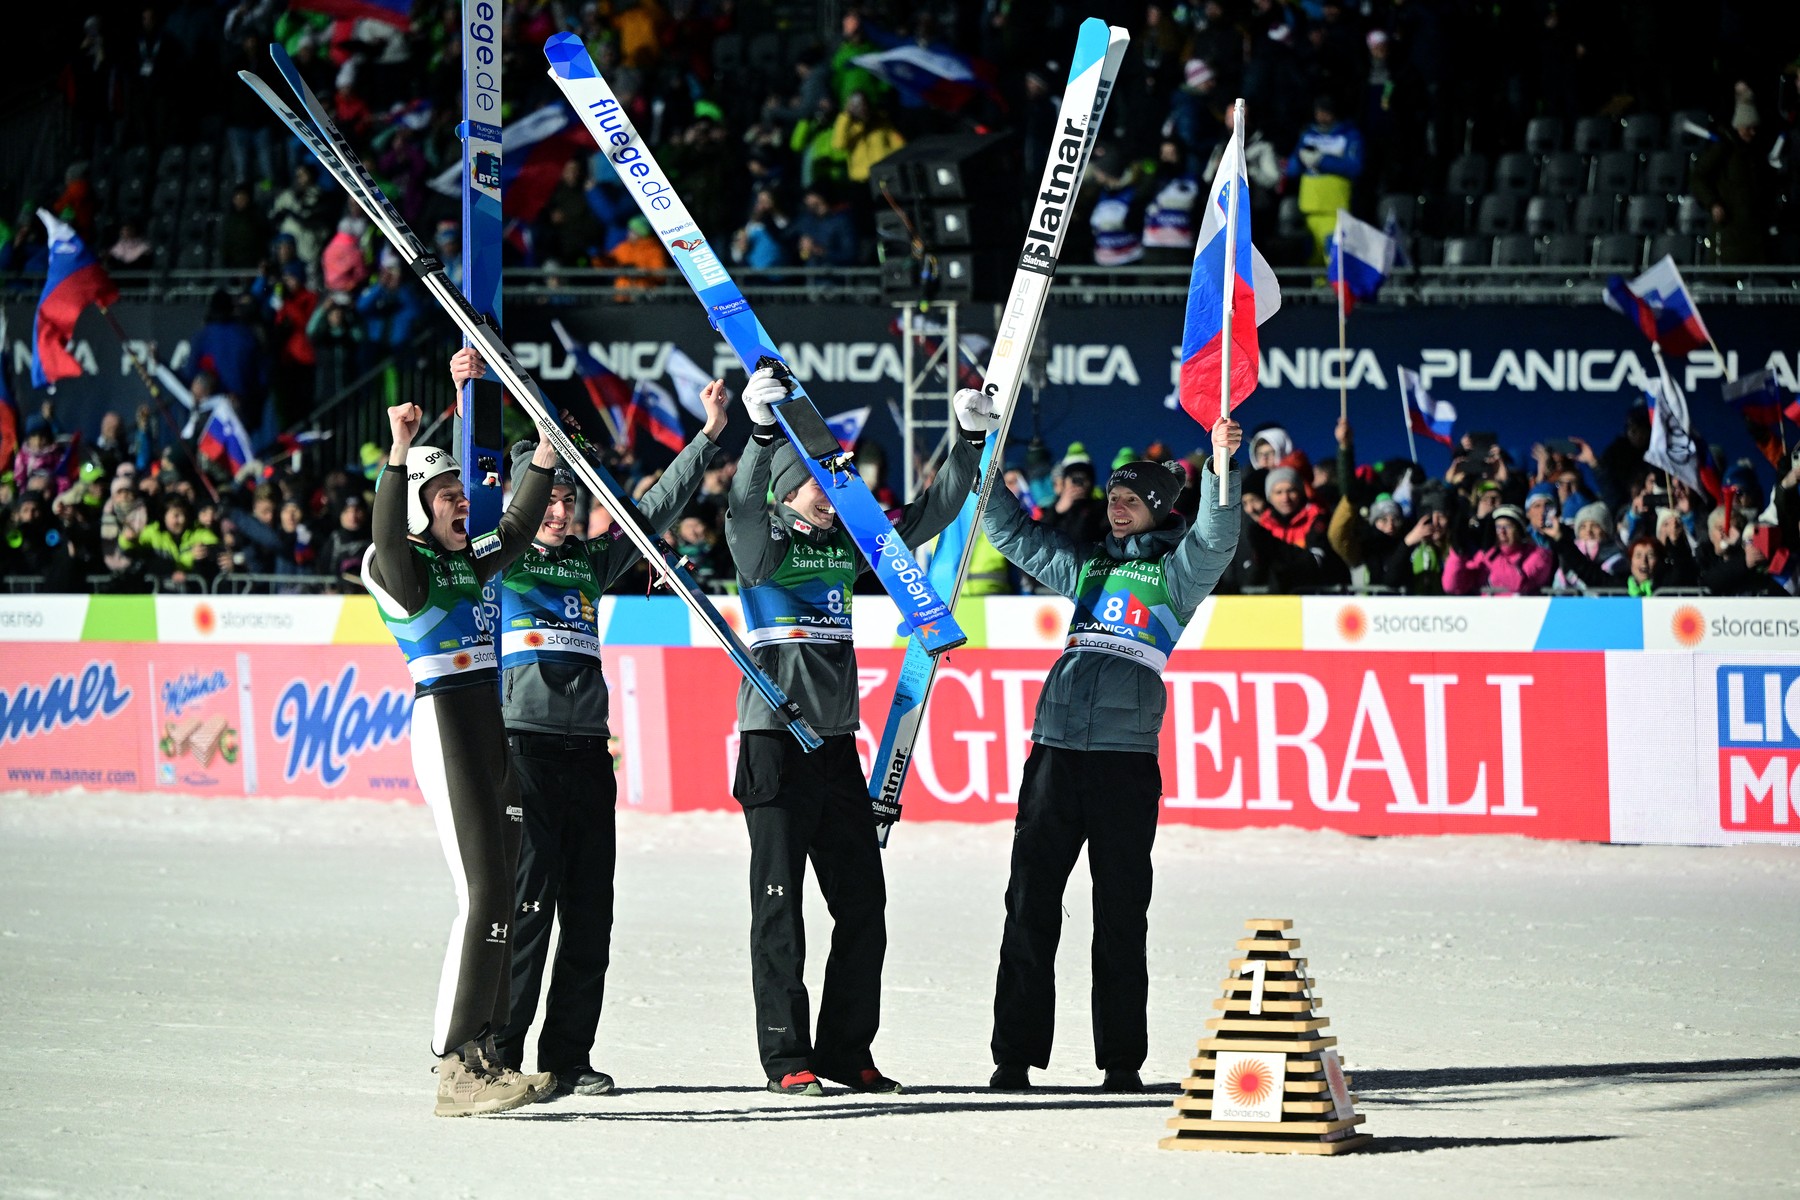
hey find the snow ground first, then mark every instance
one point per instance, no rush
(232, 998)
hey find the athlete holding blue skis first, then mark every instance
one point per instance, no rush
(1092, 775)
(796, 567)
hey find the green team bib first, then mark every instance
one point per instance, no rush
(1122, 608)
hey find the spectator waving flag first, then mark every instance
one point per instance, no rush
(1674, 446)
(75, 281)
(1232, 289)
(224, 439)
(847, 427)
(1435, 419)
(1657, 302)
(1359, 260)
(659, 416)
(1760, 400)
(610, 394)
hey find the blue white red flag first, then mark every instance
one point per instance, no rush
(1256, 297)
(224, 439)
(533, 150)
(1762, 402)
(397, 13)
(1359, 259)
(659, 416)
(610, 394)
(76, 280)
(1657, 302)
(932, 75)
(1435, 419)
(689, 381)
(847, 427)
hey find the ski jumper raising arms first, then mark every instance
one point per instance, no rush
(796, 567)
(555, 702)
(1092, 775)
(426, 579)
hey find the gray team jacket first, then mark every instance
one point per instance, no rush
(1100, 701)
(570, 699)
(821, 676)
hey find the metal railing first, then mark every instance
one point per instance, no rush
(357, 413)
(1079, 284)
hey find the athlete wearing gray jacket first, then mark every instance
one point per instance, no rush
(1092, 776)
(796, 569)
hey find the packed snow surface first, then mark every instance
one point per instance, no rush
(233, 998)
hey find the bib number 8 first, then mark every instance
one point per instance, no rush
(834, 601)
(572, 606)
(1113, 609)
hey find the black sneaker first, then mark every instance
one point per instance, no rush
(1121, 1079)
(584, 1081)
(797, 1083)
(868, 1081)
(1010, 1077)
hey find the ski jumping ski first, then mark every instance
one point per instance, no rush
(320, 135)
(926, 614)
(481, 443)
(1099, 49)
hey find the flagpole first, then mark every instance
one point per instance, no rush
(1412, 449)
(162, 409)
(1337, 248)
(1221, 456)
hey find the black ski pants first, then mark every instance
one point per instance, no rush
(460, 763)
(565, 873)
(1109, 800)
(801, 807)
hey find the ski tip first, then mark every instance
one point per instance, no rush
(569, 57)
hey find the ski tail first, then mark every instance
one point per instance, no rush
(1099, 50)
(329, 147)
(481, 441)
(928, 617)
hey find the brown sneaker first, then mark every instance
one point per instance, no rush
(542, 1084)
(465, 1090)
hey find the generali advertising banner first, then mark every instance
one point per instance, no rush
(1371, 717)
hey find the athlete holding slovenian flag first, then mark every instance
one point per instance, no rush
(1219, 360)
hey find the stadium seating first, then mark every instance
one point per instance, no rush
(1595, 215)
(1594, 135)
(1620, 251)
(1642, 133)
(1566, 250)
(1515, 174)
(1515, 250)
(1546, 214)
(1565, 173)
(1543, 135)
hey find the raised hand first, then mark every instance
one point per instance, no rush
(465, 365)
(715, 398)
(403, 421)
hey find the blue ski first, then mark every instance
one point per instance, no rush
(928, 616)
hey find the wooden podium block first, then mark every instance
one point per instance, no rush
(1269, 1010)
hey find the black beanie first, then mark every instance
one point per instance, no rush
(1154, 484)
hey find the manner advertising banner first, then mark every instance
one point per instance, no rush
(73, 716)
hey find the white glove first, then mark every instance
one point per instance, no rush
(761, 394)
(1309, 156)
(976, 411)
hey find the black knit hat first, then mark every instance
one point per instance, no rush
(1155, 484)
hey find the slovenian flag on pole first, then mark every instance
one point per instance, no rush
(1435, 419)
(1657, 302)
(1360, 259)
(847, 427)
(661, 419)
(610, 394)
(76, 280)
(224, 439)
(1254, 294)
